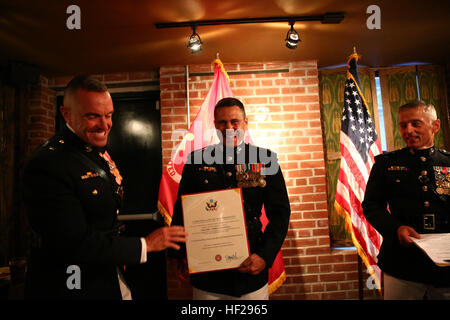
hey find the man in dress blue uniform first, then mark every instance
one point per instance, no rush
(408, 194)
(256, 170)
(73, 193)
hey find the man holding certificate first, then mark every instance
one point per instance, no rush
(220, 199)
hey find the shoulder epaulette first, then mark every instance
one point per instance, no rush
(53, 144)
(388, 153)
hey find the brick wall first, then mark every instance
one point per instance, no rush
(41, 114)
(284, 115)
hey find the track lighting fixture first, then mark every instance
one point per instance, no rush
(292, 37)
(195, 43)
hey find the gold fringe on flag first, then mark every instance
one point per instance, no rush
(359, 249)
(277, 283)
(164, 213)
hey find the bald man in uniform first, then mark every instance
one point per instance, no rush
(73, 193)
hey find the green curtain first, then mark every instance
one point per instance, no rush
(402, 88)
(332, 84)
(431, 92)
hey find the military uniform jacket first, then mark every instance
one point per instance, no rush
(270, 191)
(72, 204)
(411, 189)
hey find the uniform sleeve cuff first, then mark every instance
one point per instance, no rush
(143, 251)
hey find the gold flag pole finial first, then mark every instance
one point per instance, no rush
(218, 62)
(354, 55)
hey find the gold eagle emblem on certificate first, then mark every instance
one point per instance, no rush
(211, 205)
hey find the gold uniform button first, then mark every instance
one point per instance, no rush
(206, 181)
(426, 204)
(61, 141)
(425, 188)
(424, 172)
(229, 173)
(423, 159)
(94, 192)
(397, 180)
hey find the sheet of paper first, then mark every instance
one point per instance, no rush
(217, 236)
(436, 246)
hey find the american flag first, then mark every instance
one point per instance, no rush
(359, 145)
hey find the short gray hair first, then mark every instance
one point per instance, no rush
(429, 109)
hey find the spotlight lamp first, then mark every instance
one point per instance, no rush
(195, 43)
(292, 37)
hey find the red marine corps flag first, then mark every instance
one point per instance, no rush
(359, 146)
(201, 134)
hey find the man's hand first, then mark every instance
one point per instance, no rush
(253, 265)
(165, 237)
(404, 232)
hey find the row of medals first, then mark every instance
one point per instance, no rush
(250, 179)
(443, 183)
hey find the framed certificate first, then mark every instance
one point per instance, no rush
(217, 235)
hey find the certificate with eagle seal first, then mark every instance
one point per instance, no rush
(217, 234)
